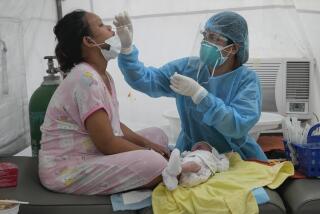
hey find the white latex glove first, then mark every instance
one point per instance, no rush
(188, 87)
(124, 31)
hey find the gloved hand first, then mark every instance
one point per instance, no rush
(188, 87)
(124, 31)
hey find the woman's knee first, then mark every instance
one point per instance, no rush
(155, 162)
(155, 135)
(154, 167)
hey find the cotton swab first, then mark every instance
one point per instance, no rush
(13, 202)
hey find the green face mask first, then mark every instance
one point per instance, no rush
(210, 54)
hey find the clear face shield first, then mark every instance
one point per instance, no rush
(210, 51)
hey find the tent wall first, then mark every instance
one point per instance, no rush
(309, 13)
(26, 29)
(163, 33)
(163, 30)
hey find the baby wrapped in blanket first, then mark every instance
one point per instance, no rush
(193, 167)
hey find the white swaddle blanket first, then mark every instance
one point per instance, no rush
(210, 163)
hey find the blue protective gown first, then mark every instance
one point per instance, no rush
(223, 118)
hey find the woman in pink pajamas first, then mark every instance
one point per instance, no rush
(85, 149)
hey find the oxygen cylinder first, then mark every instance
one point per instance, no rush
(39, 102)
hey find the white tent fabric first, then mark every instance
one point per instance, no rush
(163, 30)
(25, 30)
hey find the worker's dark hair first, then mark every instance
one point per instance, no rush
(69, 32)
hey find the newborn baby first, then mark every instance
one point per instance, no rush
(194, 167)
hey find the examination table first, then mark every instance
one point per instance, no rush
(300, 196)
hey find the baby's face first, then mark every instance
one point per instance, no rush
(201, 146)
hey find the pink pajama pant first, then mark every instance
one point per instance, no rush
(105, 174)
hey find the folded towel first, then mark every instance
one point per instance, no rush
(133, 200)
(261, 195)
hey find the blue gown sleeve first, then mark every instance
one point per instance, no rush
(237, 118)
(150, 80)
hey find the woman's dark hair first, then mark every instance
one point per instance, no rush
(69, 32)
